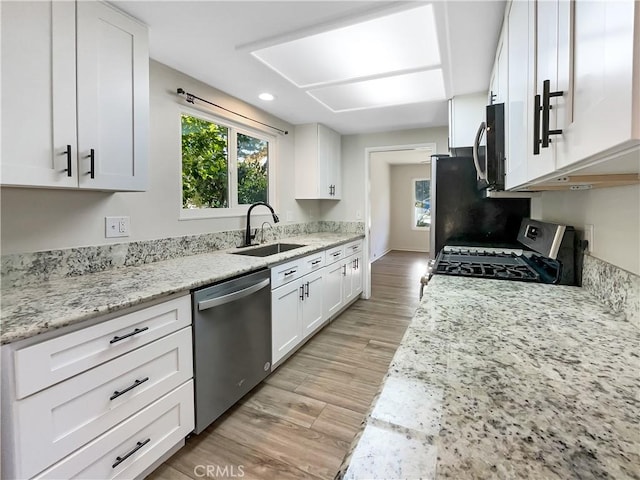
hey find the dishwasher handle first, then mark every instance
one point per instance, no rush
(231, 297)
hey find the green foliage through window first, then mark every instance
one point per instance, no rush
(207, 162)
(253, 169)
(422, 203)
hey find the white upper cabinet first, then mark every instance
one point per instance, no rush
(466, 112)
(317, 162)
(573, 93)
(39, 94)
(499, 76)
(519, 83)
(551, 77)
(113, 98)
(75, 93)
(606, 80)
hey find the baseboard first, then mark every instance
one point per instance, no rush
(409, 250)
(380, 256)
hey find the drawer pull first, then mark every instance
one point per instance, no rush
(290, 273)
(135, 384)
(316, 262)
(337, 254)
(138, 446)
(135, 332)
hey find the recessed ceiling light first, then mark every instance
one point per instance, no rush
(397, 43)
(415, 87)
(267, 97)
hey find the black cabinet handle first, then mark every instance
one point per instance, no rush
(122, 337)
(344, 270)
(138, 446)
(337, 254)
(92, 156)
(68, 154)
(286, 274)
(536, 125)
(547, 94)
(316, 262)
(306, 287)
(301, 292)
(135, 384)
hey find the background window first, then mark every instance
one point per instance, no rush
(223, 167)
(253, 170)
(205, 164)
(421, 203)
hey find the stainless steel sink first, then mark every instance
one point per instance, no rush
(268, 249)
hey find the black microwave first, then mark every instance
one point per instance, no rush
(490, 160)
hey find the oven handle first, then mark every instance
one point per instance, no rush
(476, 145)
(231, 297)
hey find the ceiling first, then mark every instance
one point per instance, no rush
(212, 41)
(415, 156)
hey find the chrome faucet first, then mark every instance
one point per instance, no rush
(262, 231)
(248, 236)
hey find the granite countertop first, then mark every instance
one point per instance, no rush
(32, 310)
(508, 380)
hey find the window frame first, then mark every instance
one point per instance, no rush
(413, 205)
(233, 128)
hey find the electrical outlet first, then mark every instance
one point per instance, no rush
(116, 227)
(358, 215)
(587, 234)
(289, 216)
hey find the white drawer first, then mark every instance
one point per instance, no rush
(335, 254)
(56, 421)
(314, 262)
(286, 272)
(49, 362)
(163, 423)
(352, 248)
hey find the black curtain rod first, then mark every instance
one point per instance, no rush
(191, 97)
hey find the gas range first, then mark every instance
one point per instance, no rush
(549, 260)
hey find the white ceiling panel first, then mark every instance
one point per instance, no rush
(382, 92)
(397, 42)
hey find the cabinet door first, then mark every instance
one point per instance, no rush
(520, 101)
(312, 311)
(347, 281)
(286, 331)
(550, 66)
(604, 86)
(38, 93)
(357, 276)
(113, 99)
(333, 299)
(328, 163)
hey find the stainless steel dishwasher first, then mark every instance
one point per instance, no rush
(232, 342)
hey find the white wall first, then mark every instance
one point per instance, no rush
(34, 219)
(403, 236)
(380, 181)
(353, 166)
(614, 213)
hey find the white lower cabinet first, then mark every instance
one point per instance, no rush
(130, 448)
(296, 311)
(300, 307)
(84, 419)
(334, 293)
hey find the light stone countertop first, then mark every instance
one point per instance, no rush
(506, 380)
(32, 310)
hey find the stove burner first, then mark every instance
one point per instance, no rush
(486, 265)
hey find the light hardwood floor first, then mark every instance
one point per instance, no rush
(300, 421)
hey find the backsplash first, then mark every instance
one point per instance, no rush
(617, 288)
(28, 268)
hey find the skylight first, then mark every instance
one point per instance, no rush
(389, 60)
(396, 90)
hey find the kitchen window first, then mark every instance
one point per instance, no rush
(225, 167)
(421, 188)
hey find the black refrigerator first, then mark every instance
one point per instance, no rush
(462, 215)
